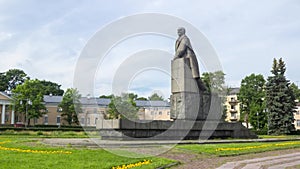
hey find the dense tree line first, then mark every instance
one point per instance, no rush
(269, 105)
(27, 93)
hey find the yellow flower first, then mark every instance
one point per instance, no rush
(126, 166)
(34, 151)
(255, 147)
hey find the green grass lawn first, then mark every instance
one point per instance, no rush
(231, 149)
(24, 153)
(23, 150)
(280, 136)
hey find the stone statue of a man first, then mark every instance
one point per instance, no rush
(183, 49)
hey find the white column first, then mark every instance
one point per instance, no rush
(13, 116)
(3, 114)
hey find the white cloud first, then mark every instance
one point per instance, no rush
(247, 35)
(5, 36)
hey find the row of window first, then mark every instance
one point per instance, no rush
(159, 113)
(95, 110)
(46, 119)
(88, 121)
(157, 108)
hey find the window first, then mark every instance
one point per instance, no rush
(6, 117)
(160, 113)
(232, 107)
(58, 120)
(298, 123)
(46, 119)
(168, 113)
(88, 120)
(96, 120)
(152, 112)
(233, 115)
(59, 109)
(82, 121)
(35, 120)
(17, 119)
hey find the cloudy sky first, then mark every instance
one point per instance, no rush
(45, 38)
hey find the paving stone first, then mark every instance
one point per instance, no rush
(258, 162)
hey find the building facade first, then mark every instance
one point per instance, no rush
(96, 108)
(232, 105)
(7, 111)
(297, 116)
(93, 109)
(153, 110)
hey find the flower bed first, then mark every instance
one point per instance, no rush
(31, 151)
(256, 147)
(138, 164)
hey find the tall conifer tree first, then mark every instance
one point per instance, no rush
(280, 101)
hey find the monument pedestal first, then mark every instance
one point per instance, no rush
(188, 102)
(171, 130)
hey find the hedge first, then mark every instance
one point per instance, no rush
(48, 128)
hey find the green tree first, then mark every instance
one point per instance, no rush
(295, 90)
(214, 81)
(252, 98)
(3, 82)
(71, 105)
(122, 106)
(106, 97)
(10, 79)
(141, 98)
(155, 97)
(28, 99)
(52, 88)
(280, 101)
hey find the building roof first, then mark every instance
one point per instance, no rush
(52, 99)
(5, 95)
(147, 103)
(234, 91)
(105, 102)
(93, 101)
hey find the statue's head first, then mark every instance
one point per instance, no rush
(180, 31)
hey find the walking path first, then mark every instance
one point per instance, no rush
(273, 162)
(97, 142)
(163, 148)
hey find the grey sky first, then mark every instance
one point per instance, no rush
(45, 38)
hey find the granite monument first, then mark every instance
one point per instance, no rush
(195, 112)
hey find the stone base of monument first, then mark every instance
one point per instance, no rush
(122, 129)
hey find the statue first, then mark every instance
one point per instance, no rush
(188, 91)
(183, 49)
